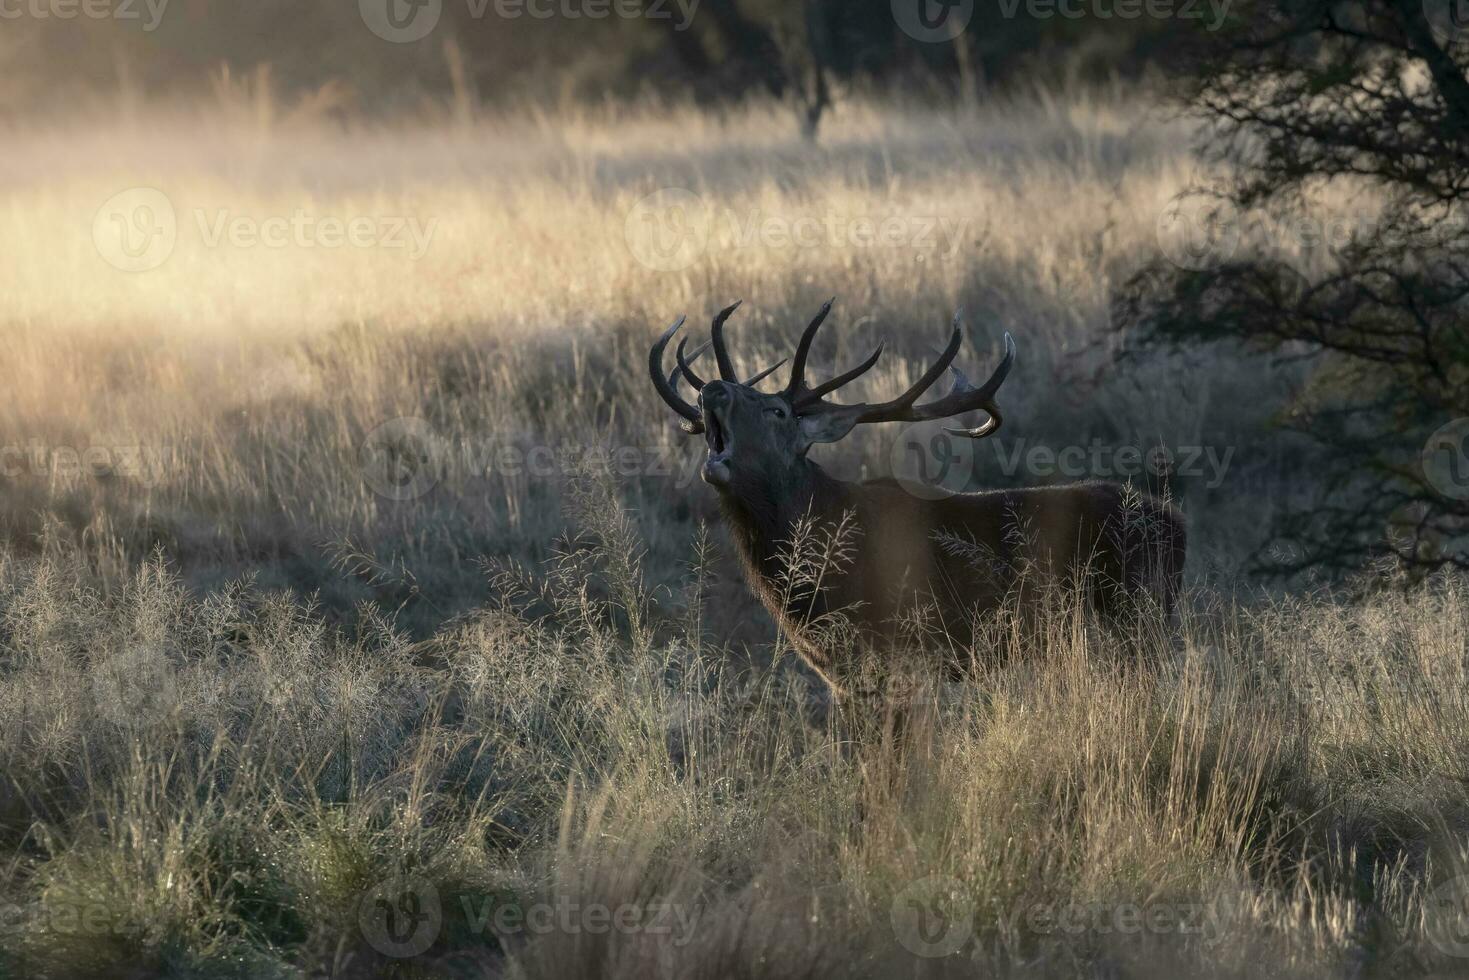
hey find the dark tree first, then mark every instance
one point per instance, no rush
(1368, 97)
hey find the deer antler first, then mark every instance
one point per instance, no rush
(798, 367)
(667, 385)
(806, 400)
(963, 397)
(721, 353)
(683, 365)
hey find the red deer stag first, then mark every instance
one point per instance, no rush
(1121, 546)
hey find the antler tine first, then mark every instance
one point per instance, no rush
(966, 398)
(765, 374)
(991, 425)
(721, 353)
(827, 387)
(684, 362)
(803, 349)
(694, 423)
(683, 365)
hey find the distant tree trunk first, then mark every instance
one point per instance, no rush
(964, 58)
(687, 46)
(749, 42)
(819, 43)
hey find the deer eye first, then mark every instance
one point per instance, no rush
(777, 411)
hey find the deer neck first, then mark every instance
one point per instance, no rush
(762, 518)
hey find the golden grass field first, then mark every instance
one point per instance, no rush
(260, 718)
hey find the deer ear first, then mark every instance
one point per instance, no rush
(826, 426)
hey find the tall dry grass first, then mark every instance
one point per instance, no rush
(224, 751)
(221, 785)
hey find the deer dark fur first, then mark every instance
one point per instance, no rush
(957, 557)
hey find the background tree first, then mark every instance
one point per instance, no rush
(1369, 100)
(727, 50)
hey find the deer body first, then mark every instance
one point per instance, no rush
(949, 559)
(958, 557)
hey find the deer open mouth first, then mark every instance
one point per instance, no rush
(716, 467)
(714, 433)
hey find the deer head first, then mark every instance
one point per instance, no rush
(756, 438)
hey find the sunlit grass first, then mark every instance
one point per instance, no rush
(255, 713)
